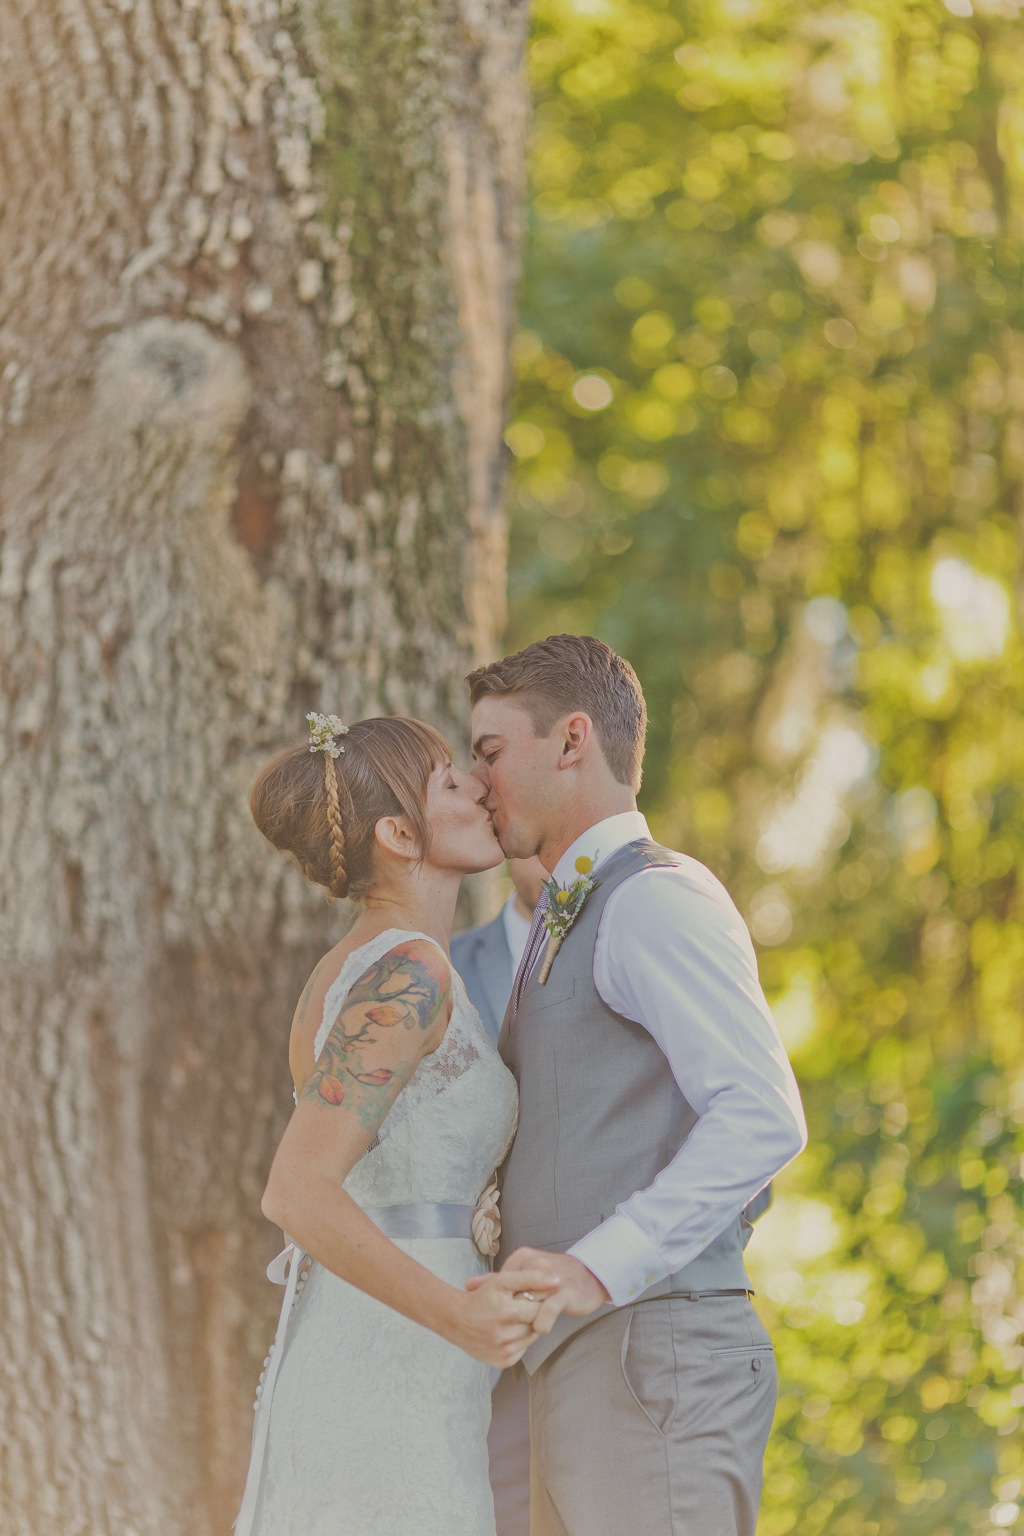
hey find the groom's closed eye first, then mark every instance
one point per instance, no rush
(485, 749)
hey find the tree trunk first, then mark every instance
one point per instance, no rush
(256, 270)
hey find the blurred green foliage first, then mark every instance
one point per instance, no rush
(769, 435)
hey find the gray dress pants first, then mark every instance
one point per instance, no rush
(508, 1446)
(654, 1419)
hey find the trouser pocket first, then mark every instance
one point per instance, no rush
(648, 1363)
(759, 1360)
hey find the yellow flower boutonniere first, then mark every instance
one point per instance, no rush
(565, 903)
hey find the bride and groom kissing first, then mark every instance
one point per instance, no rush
(638, 1100)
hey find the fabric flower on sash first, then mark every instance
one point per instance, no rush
(565, 902)
(486, 1222)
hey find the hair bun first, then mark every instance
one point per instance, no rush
(320, 804)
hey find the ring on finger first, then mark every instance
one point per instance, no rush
(527, 1296)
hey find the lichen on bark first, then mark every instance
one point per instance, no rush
(256, 280)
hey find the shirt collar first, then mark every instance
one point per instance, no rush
(602, 839)
(517, 929)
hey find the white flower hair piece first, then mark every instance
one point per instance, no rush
(322, 731)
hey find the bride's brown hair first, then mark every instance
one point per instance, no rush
(323, 810)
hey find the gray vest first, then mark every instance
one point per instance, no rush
(600, 1114)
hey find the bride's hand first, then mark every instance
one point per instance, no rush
(494, 1323)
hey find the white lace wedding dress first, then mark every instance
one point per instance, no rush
(375, 1426)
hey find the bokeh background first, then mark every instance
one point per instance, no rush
(769, 442)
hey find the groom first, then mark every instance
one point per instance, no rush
(655, 1101)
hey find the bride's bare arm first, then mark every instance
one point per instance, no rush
(395, 1014)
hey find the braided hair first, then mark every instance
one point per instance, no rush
(336, 844)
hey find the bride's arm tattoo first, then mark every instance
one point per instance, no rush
(408, 988)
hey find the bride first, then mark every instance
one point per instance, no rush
(372, 1415)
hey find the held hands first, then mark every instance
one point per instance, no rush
(496, 1322)
(560, 1282)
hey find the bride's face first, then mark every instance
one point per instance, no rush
(461, 835)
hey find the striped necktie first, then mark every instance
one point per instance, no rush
(526, 964)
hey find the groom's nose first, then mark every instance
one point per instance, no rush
(479, 772)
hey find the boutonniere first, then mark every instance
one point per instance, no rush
(565, 902)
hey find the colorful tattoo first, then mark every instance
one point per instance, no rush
(407, 988)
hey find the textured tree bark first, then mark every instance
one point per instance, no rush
(256, 270)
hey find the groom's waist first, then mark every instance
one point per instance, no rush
(719, 1267)
(567, 1189)
(718, 1271)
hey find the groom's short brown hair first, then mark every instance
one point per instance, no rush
(553, 677)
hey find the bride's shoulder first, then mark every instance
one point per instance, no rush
(383, 953)
(396, 973)
(401, 964)
(396, 978)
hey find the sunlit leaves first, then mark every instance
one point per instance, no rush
(769, 441)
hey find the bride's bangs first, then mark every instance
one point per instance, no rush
(427, 747)
(404, 754)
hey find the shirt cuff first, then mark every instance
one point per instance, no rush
(623, 1259)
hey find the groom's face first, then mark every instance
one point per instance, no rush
(520, 771)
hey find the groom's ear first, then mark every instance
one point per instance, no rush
(577, 735)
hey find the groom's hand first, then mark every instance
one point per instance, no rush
(579, 1291)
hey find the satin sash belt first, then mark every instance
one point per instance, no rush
(423, 1220)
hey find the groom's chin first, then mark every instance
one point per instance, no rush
(514, 840)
